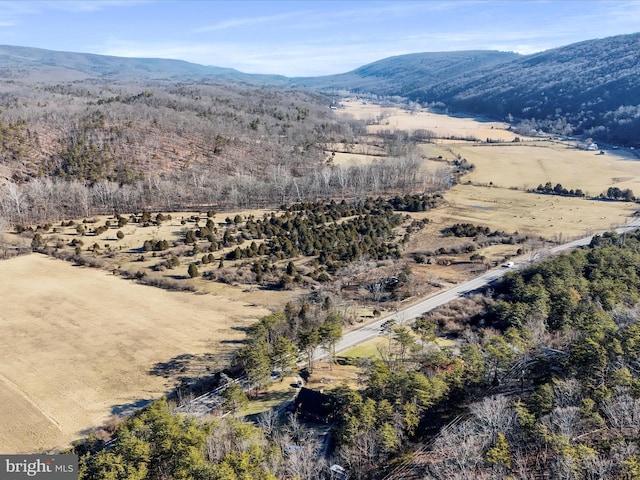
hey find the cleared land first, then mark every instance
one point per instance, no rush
(494, 195)
(79, 344)
(529, 164)
(392, 118)
(127, 254)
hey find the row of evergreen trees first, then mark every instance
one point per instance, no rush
(546, 376)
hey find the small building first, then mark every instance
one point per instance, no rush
(592, 147)
(315, 406)
(337, 472)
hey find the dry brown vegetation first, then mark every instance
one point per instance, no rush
(79, 344)
(493, 194)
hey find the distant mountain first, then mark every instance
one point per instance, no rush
(40, 65)
(589, 88)
(402, 75)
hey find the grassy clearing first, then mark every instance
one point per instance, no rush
(391, 118)
(267, 400)
(372, 349)
(127, 254)
(496, 197)
(80, 344)
(528, 164)
(551, 217)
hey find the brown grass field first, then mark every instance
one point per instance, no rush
(126, 253)
(78, 344)
(494, 194)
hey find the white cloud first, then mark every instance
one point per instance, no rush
(246, 21)
(291, 60)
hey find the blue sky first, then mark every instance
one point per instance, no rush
(305, 38)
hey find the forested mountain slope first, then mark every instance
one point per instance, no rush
(90, 117)
(403, 75)
(594, 86)
(32, 65)
(94, 130)
(589, 88)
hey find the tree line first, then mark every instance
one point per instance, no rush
(543, 381)
(54, 199)
(570, 325)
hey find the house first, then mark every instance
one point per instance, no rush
(315, 406)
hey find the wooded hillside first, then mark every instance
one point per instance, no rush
(543, 383)
(588, 88)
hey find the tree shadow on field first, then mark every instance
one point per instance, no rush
(187, 367)
(127, 409)
(173, 367)
(240, 341)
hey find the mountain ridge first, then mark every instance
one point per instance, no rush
(398, 75)
(90, 66)
(589, 88)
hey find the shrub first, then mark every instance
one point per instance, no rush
(37, 242)
(193, 270)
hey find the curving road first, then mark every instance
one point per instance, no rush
(212, 400)
(373, 330)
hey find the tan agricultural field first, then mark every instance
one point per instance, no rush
(78, 344)
(548, 216)
(496, 194)
(493, 194)
(341, 158)
(394, 118)
(127, 253)
(527, 165)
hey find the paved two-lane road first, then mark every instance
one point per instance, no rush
(212, 400)
(373, 330)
